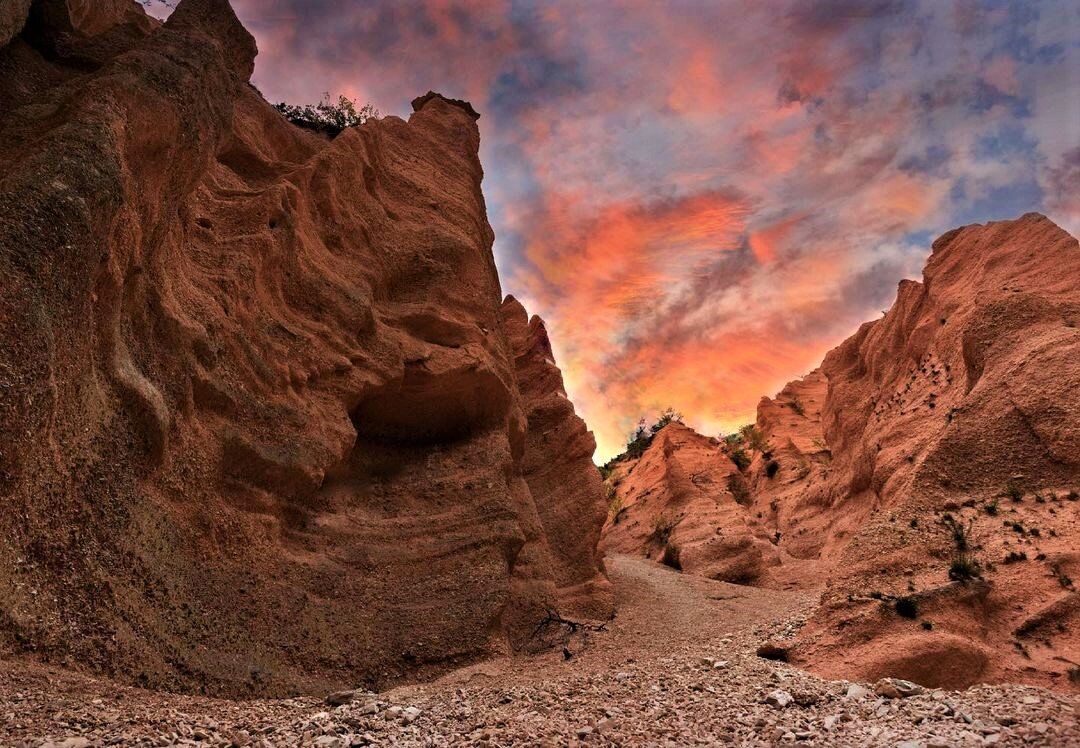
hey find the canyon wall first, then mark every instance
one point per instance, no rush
(267, 425)
(928, 473)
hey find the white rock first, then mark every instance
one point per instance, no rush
(779, 698)
(855, 691)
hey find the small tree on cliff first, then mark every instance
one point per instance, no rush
(670, 415)
(642, 436)
(754, 439)
(328, 116)
(639, 440)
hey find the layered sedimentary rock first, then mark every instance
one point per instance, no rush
(960, 406)
(685, 504)
(957, 409)
(558, 468)
(266, 424)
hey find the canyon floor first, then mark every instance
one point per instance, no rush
(677, 666)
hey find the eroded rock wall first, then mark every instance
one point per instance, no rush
(957, 408)
(263, 424)
(961, 403)
(559, 470)
(685, 504)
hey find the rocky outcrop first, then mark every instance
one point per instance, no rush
(958, 409)
(558, 468)
(685, 504)
(267, 426)
(927, 472)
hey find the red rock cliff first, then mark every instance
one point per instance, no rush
(960, 405)
(267, 426)
(957, 408)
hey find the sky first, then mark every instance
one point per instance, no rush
(702, 198)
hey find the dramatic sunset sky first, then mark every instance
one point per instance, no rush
(701, 198)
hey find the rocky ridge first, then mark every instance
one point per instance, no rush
(927, 474)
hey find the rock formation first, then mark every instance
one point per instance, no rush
(685, 504)
(558, 468)
(266, 425)
(928, 471)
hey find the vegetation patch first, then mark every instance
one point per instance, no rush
(671, 557)
(907, 607)
(643, 435)
(663, 528)
(963, 566)
(328, 116)
(739, 489)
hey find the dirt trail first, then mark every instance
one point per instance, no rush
(676, 667)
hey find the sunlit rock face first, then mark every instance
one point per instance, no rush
(267, 426)
(957, 408)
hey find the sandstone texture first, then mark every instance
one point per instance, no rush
(683, 503)
(558, 469)
(267, 425)
(926, 475)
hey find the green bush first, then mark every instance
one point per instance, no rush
(963, 565)
(739, 489)
(663, 528)
(797, 406)
(964, 568)
(643, 435)
(740, 458)
(753, 438)
(639, 440)
(670, 557)
(328, 116)
(670, 415)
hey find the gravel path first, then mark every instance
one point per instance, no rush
(676, 667)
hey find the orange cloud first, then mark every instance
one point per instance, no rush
(765, 242)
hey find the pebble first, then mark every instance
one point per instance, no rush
(779, 698)
(855, 691)
(659, 686)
